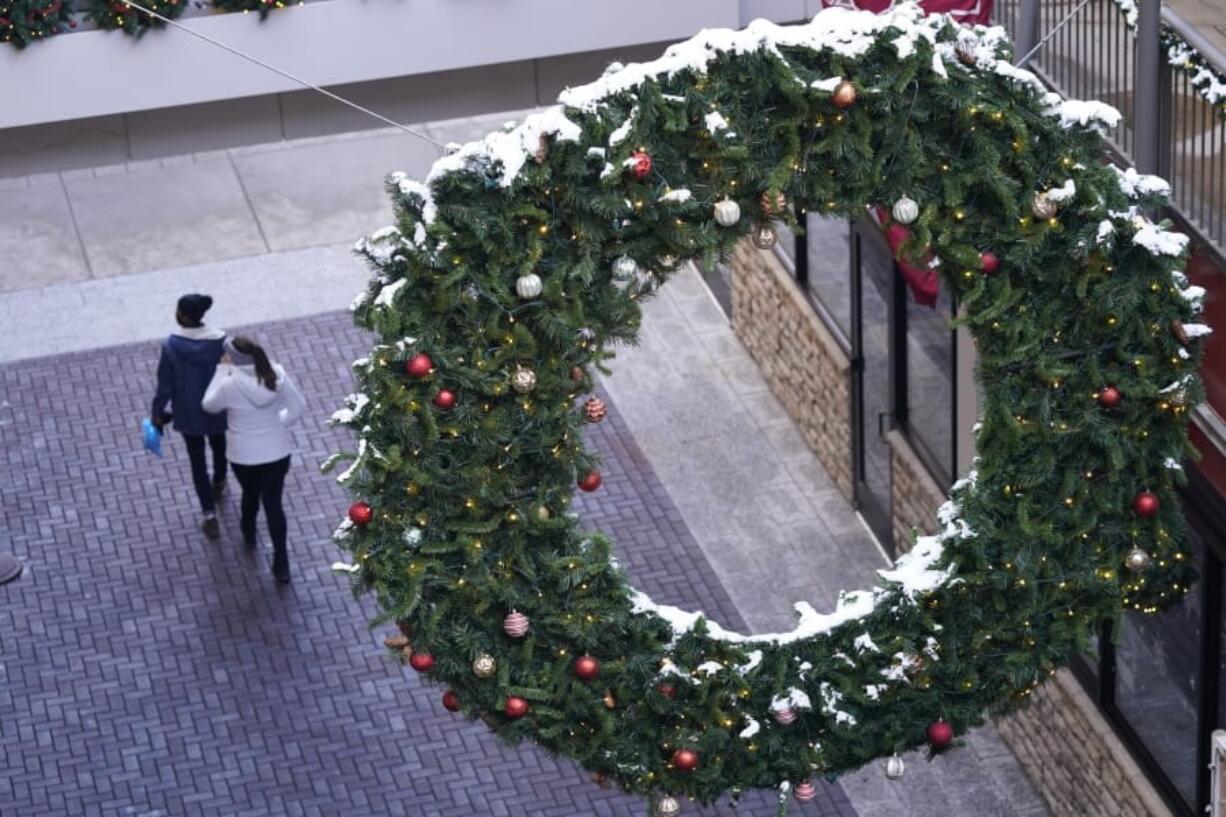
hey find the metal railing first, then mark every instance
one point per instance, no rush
(1096, 56)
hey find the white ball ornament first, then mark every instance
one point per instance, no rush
(529, 286)
(727, 213)
(905, 210)
(894, 767)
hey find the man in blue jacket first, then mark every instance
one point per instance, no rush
(189, 357)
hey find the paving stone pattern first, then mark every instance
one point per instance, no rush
(145, 671)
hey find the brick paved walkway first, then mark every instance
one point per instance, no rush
(145, 671)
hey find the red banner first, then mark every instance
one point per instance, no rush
(967, 12)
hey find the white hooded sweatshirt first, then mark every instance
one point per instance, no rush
(258, 417)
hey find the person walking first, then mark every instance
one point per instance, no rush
(260, 401)
(186, 365)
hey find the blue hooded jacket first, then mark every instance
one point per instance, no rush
(189, 357)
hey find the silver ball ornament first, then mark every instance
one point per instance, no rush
(1043, 207)
(529, 286)
(894, 767)
(905, 210)
(667, 806)
(764, 237)
(523, 380)
(624, 268)
(727, 213)
(1137, 560)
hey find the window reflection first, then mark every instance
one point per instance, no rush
(930, 385)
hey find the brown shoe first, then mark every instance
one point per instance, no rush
(210, 527)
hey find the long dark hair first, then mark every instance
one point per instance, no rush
(264, 371)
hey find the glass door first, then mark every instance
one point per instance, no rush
(872, 338)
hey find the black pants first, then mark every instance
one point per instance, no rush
(200, 469)
(262, 485)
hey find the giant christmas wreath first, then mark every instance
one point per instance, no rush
(523, 258)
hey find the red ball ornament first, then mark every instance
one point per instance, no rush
(515, 707)
(444, 400)
(640, 164)
(591, 481)
(1109, 397)
(421, 661)
(360, 513)
(940, 734)
(418, 366)
(667, 690)
(1145, 504)
(686, 760)
(988, 262)
(451, 701)
(586, 668)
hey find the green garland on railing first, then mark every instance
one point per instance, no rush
(263, 7)
(116, 14)
(26, 21)
(1208, 82)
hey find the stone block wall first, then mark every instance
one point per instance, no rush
(800, 359)
(914, 494)
(1074, 757)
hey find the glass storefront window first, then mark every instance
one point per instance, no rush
(930, 383)
(1157, 678)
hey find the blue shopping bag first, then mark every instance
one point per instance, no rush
(152, 436)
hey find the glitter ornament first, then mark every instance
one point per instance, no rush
(529, 286)
(764, 237)
(360, 513)
(523, 380)
(484, 666)
(804, 792)
(1137, 560)
(727, 213)
(624, 268)
(905, 210)
(515, 624)
(1043, 207)
(784, 715)
(640, 164)
(667, 806)
(594, 410)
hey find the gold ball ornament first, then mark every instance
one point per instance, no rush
(1043, 207)
(608, 700)
(484, 666)
(1137, 560)
(542, 513)
(764, 237)
(667, 806)
(844, 95)
(523, 380)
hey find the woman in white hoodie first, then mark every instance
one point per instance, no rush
(260, 401)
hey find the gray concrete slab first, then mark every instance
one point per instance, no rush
(327, 191)
(38, 237)
(160, 217)
(140, 306)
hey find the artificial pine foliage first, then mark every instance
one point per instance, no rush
(263, 7)
(470, 502)
(25, 21)
(116, 14)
